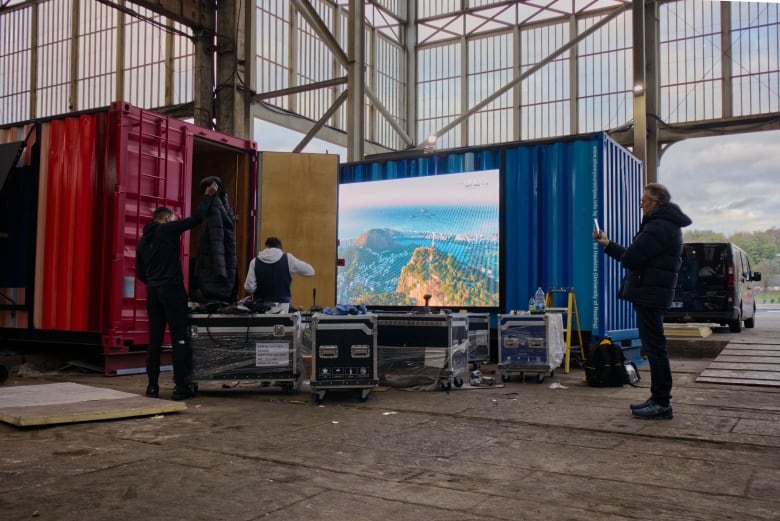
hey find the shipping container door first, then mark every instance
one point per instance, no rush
(297, 202)
(150, 161)
(521, 228)
(66, 232)
(619, 213)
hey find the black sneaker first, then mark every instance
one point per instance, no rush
(152, 391)
(641, 405)
(654, 412)
(182, 392)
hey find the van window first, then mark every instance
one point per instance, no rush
(704, 261)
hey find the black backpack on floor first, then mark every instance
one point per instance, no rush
(607, 366)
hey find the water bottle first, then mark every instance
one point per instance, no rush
(532, 304)
(539, 299)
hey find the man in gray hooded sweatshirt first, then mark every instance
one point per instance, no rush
(270, 275)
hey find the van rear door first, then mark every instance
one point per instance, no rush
(703, 282)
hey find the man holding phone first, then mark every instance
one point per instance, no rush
(652, 262)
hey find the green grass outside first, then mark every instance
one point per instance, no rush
(768, 297)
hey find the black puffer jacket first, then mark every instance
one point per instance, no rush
(216, 260)
(653, 258)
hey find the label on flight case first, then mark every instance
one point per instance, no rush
(272, 354)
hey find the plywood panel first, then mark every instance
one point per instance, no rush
(49, 404)
(686, 330)
(298, 202)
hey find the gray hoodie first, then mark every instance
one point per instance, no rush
(270, 256)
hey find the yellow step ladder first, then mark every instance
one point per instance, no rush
(571, 311)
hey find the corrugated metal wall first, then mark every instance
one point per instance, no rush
(67, 220)
(620, 215)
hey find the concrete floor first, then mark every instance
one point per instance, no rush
(521, 451)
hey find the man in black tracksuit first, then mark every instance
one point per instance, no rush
(652, 262)
(158, 265)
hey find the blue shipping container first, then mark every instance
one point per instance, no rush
(550, 193)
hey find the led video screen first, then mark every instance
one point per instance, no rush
(402, 239)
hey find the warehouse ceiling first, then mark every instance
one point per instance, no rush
(504, 15)
(198, 14)
(499, 15)
(463, 72)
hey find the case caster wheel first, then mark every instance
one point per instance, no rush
(319, 397)
(504, 377)
(447, 386)
(364, 394)
(458, 382)
(540, 378)
(195, 386)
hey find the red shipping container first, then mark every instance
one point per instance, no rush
(100, 175)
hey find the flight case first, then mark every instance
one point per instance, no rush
(417, 348)
(479, 338)
(343, 353)
(529, 344)
(256, 347)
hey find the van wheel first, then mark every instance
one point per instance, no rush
(735, 326)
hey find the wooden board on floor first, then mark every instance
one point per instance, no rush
(758, 358)
(687, 330)
(720, 379)
(745, 365)
(750, 352)
(67, 402)
(769, 349)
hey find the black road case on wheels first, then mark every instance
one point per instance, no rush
(256, 347)
(343, 353)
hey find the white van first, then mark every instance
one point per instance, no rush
(715, 285)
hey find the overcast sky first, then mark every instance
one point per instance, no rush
(725, 184)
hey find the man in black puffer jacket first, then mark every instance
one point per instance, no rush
(652, 262)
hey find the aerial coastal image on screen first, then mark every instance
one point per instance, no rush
(405, 238)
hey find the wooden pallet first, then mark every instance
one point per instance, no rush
(745, 364)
